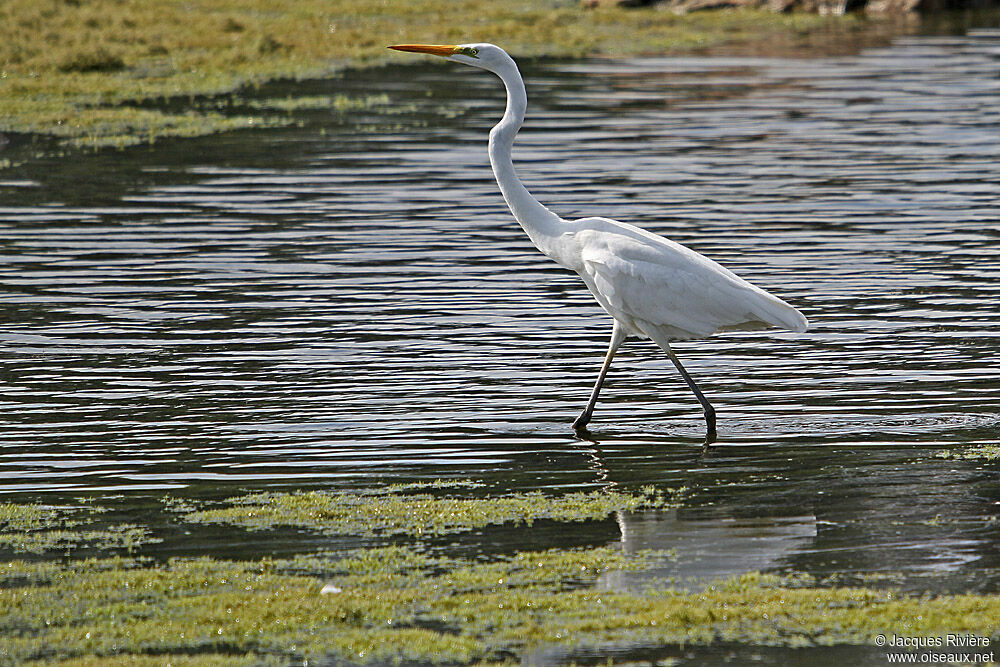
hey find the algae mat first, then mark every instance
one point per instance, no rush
(411, 602)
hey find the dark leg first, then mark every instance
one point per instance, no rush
(617, 336)
(709, 410)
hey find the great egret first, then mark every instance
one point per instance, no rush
(652, 287)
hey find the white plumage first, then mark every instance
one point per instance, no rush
(648, 282)
(652, 287)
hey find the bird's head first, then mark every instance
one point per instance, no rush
(486, 56)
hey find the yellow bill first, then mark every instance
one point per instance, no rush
(443, 50)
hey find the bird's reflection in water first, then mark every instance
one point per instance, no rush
(700, 550)
(705, 549)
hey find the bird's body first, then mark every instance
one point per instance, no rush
(652, 284)
(653, 287)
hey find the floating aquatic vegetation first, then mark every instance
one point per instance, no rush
(16, 517)
(391, 512)
(396, 604)
(404, 604)
(979, 452)
(333, 103)
(36, 528)
(124, 536)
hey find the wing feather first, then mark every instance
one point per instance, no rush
(653, 281)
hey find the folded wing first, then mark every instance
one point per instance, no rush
(645, 280)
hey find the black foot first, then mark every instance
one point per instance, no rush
(710, 436)
(580, 423)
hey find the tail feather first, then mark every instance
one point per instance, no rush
(776, 312)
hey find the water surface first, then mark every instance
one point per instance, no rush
(348, 303)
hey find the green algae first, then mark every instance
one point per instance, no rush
(391, 512)
(79, 71)
(337, 103)
(15, 517)
(201, 660)
(435, 484)
(121, 127)
(978, 453)
(178, 505)
(124, 536)
(395, 604)
(35, 528)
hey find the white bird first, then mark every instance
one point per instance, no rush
(653, 287)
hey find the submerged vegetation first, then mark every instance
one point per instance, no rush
(391, 513)
(409, 603)
(396, 604)
(980, 453)
(41, 528)
(98, 73)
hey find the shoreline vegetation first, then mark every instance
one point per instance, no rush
(118, 73)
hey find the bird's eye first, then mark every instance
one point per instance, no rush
(469, 51)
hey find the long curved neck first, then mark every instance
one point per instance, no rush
(542, 225)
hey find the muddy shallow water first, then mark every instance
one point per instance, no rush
(348, 303)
